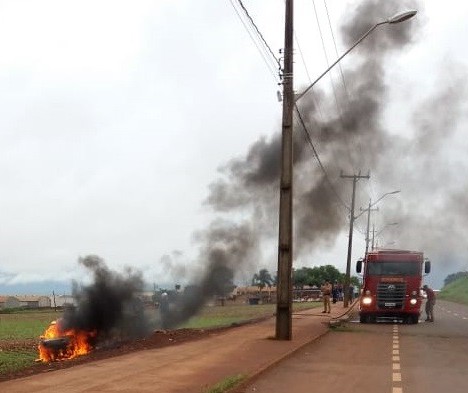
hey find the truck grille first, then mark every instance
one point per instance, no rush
(391, 295)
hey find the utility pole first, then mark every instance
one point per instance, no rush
(350, 240)
(368, 225)
(285, 243)
(373, 235)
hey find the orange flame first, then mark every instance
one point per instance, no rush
(68, 345)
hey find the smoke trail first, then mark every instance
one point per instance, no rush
(227, 246)
(109, 304)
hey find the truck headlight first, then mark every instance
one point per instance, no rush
(413, 301)
(366, 300)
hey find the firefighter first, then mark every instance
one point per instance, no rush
(326, 289)
(430, 301)
(164, 309)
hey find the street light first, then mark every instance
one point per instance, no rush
(285, 242)
(397, 18)
(350, 240)
(368, 210)
(374, 235)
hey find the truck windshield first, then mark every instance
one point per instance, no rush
(393, 269)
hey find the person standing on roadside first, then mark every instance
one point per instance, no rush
(326, 289)
(351, 293)
(430, 301)
(335, 292)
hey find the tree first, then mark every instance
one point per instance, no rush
(262, 279)
(316, 275)
(453, 277)
(301, 277)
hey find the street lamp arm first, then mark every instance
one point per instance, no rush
(383, 196)
(385, 227)
(365, 210)
(299, 96)
(375, 203)
(397, 18)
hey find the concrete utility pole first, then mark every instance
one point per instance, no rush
(285, 245)
(350, 240)
(369, 209)
(373, 236)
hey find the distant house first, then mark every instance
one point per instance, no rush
(31, 301)
(9, 302)
(28, 301)
(62, 301)
(266, 294)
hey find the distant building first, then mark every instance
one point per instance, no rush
(24, 301)
(9, 302)
(62, 301)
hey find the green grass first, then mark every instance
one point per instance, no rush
(231, 314)
(26, 324)
(456, 291)
(11, 361)
(226, 384)
(17, 326)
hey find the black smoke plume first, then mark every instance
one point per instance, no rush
(109, 304)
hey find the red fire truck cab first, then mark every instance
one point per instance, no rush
(391, 285)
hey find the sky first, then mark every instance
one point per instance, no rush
(121, 122)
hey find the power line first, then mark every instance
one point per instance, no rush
(258, 32)
(270, 52)
(265, 56)
(338, 106)
(309, 139)
(326, 56)
(336, 49)
(316, 102)
(260, 35)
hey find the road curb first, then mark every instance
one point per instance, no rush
(259, 372)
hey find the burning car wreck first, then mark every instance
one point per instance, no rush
(106, 310)
(59, 344)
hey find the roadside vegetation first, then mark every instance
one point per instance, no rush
(226, 384)
(456, 290)
(236, 314)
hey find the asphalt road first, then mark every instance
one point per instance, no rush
(384, 357)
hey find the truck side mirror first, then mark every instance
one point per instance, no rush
(359, 266)
(427, 267)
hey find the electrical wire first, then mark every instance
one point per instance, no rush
(336, 48)
(338, 106)
(314, 96)
(271, 65)
(260, 35)
(309, 140)
(269, 54)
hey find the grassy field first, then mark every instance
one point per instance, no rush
(25, 324)
(456, 291)
(18, 327)
(21, 326)
(231, 314)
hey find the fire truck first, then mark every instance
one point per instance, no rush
(391, 285)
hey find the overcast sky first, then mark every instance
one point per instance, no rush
(115, 117)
